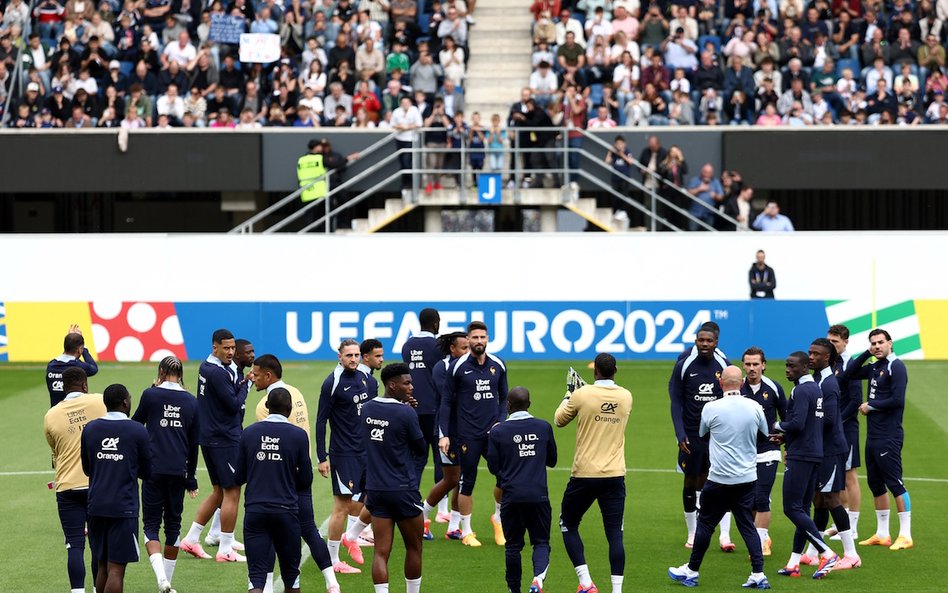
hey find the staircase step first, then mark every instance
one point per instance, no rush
(485, 14)
(587, 205)
(394, 206)
(360, 225)
(604, 215)
(376, 217)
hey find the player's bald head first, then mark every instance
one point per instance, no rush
(279, 402)
(518, 399)
(731, 378)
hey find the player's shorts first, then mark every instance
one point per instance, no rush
(220, 465)
(581, 493)
(348, 475)
(272, 534)
(884, 467)
(162, 498)
(766, 476)
(696, 463)
(454, 453)
(114, 539)
(470, 452)
(395, 505)
(831, 476)
(72, 506)
(853, 459)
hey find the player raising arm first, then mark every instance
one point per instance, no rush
(602, 412)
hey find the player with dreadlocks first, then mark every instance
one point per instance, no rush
(169, 414)
(452, 345)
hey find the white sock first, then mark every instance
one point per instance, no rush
(227, 543)
(428, 508)
(83, 590)
(539, 580)
(333, 550)
(794, 559)
(413, 585)
(350, 520)
(582, 573)
(268, 586)
(828, 552)
(465, 525)
(757, 576)
(905, 524)
(443, 506)
(497, 512)
(691, 522)
(725, 525)
(882, 524)
(381, 588)
(352, 534)
(617, 583)
(762, 534)
(698, 499)
(158, 566)
(215, 531)
(329, 575)
(849, 546)
(811, 551)
(194, 534)
(169, 568)
(454, 523)
(853, 520)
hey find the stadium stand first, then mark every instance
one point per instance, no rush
(177, 63)
(737, 62)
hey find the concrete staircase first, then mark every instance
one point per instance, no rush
(547, 200)
(379, 218)
(501, 45)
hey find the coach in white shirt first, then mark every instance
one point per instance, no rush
(732, 423)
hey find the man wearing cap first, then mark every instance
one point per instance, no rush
(31, 99)
(58, 105)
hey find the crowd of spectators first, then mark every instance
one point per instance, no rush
(742, 62)
(155, 63)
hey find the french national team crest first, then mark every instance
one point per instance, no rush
(493, 371)
(766, 395)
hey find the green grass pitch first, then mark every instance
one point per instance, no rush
(32, 557)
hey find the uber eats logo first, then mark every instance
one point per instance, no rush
(526, 444)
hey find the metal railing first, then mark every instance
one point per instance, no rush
(247, 225)
(17, 87)
(517, 166)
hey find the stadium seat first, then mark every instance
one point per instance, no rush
(704, 39)
(844, 63)
(595, 94)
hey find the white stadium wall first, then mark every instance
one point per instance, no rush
(552, 296)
